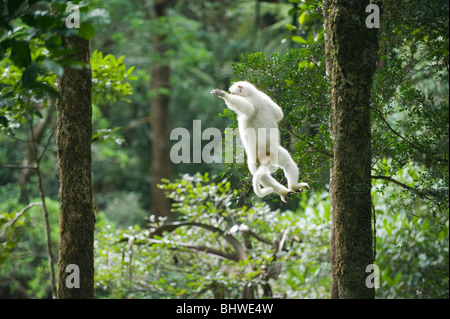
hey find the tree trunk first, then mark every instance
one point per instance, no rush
(73, 142)
(160, 120)
(352, 55)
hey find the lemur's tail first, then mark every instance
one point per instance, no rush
(259, 173)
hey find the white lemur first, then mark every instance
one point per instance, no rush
(258, 114)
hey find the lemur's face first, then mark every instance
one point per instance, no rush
(240, 88)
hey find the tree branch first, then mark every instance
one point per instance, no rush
(390, 179)
(247, 230)
(413, 145)
(321, 151)
(425, 192)
(240, 252)
(205, 249)
(38, 158)
(18, 166)
(10, 223)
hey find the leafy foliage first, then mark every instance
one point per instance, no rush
(217, 249)
(410, 102)
(194, 260)
(110, 78)
(25, 92)
(412, 245)
(23, 260)
(32, 53)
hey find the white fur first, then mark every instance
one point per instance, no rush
(258, 118)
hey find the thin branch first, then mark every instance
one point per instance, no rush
(44, 208)
(390, 179)
(279, 242)
(240, 252)
(424, 192)
(374, 243)
(46, 144)
(282, 240)
(205, 249)
(18, 166)
(181, 246)
(10, 223)
(413, 145)
(321, 151)
(255, 235)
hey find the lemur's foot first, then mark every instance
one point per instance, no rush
(285, 198)
(299, 188)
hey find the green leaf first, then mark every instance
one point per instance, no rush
(86, 31)
(292, 11)
(38, 113)
(289, 82)
(397, 278)
(29, 19)
(73, 64)
(13, 5)
(299, 39)
(46, 21)
(53, 42)
(5, 25)
(53, 66)
(29, 76)
(104, 135)
(290, 27)
(3, 121)
(47, 89)
(302, 64)
(302, 18)
(130, 70)
(20, 53)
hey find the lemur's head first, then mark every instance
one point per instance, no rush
(242, 88)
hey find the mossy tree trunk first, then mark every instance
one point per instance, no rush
(351, 56)
(73, 141)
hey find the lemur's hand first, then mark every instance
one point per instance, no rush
(217, 92)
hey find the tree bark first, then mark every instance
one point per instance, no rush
(160, 119)
(73, 141)
(352, 56)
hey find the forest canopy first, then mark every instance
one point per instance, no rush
(194, 229)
